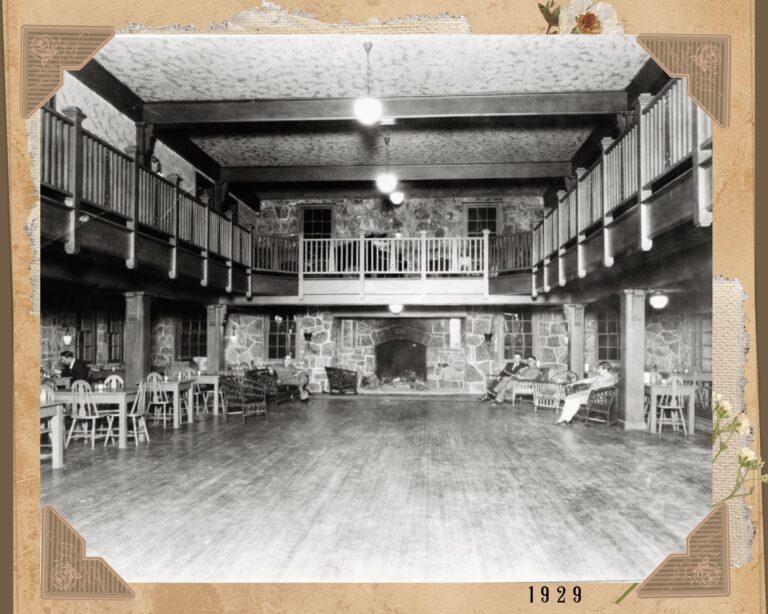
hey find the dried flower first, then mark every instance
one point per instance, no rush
(584, 17)
(745, 426)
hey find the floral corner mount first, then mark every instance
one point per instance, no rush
(580, 17)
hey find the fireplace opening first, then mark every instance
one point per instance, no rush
(401, 360)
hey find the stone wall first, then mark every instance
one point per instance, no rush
(668, 342)
(438, 216)
(52, 323)
(162, 342)
(551, 339)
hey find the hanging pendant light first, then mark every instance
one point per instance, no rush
(368, 110)
(658, 300)
(397, 198)
(386, 182)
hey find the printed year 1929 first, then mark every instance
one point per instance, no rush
(560, 594)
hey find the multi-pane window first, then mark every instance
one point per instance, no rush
(282, 336)
(193, 338)
(115, 337)
(518, 334)
(608, 337)
(481, 217)
(316, 222)
(86, 338)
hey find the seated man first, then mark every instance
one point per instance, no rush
(289, 373)
(605, 378)
(74, 368)
(510, 369)
(530, 372)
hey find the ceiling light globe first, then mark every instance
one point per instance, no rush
(386, 182)
(658, 300)
(396, 309)
(397, 198)
(368, 110)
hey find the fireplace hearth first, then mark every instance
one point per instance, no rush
(401, 360)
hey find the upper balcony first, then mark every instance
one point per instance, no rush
(655, 178)
(98, 198)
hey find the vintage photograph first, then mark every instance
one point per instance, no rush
(386, 308)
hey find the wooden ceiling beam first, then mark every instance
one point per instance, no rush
(179, 114)
(423, 172)
(115, 92)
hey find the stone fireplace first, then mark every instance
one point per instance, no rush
(401, 360)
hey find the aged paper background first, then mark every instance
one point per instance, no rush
(733, 259)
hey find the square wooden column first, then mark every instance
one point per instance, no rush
(574, 319)
(631, 388)
(216, 316)
(136, 337)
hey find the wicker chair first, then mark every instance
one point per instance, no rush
(269, 382)
(341, 380)
(243, 395)
(550, 394)
(601, 405)
(521, 387)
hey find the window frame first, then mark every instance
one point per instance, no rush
(604, 317)
(201, 337)
(527, 349)
(90, 319)
(477, 205)
(303, 208)
(290, 346)
(115, 338)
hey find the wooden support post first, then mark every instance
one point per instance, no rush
(486, 260)
(361, 263)
(133, 222)
(216, 316)
(534, 291)
(230, 255)
(545, 273)
(176, 180)
(75, 155)
(607, 216)
(423, 247)
(561, 240)
(251, 247)
(206, 240)
(574, 319)
(632, 397)
(580, 235)
(702, 168)
(301, 267)
(644, 191)
(136, 337)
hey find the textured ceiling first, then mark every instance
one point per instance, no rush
(407, 146)
(231, 67)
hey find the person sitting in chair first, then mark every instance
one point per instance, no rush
(529, 372)
(605, 378)
(511, 369)
(289, 373)
(74, 368)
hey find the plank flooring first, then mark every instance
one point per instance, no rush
(377, 489)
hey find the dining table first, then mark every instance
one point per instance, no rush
(54, 411)
(121, 397)
(654, 391)
(211, 379)
(177, 388)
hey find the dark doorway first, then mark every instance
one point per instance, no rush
(404, 359)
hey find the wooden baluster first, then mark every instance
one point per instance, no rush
(361, 265)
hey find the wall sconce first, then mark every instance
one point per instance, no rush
(307, 340)
(67, 335)
(233, 333)
(658, 300)
(488, 338)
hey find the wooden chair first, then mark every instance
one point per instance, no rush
(158, 405)
(85, 413)
(242, 395)
(522, 387)
(341, 381)
(600, 406)
(670, 406)
(137, 416)
(114, 381)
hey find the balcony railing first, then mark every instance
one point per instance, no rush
(669, 133)
(82, 173)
